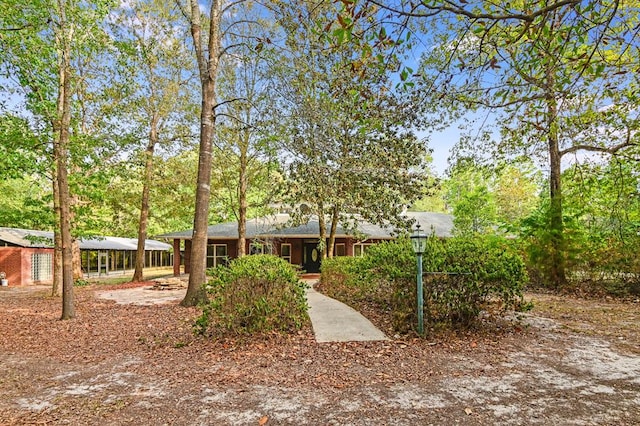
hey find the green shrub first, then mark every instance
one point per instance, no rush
(254, 294)
(340, 279)
(462, 277)
(478, 272)
(390, 267)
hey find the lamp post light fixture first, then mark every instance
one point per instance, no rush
(419, 244)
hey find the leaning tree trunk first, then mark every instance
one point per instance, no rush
(144, 208)
(557, 273)
(207, 68)
(322, 230)
(332, 232)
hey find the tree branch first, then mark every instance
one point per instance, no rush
(458, 9)
(610, 150)
(228, 102)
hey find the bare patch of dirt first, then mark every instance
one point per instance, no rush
(120, 364)
(614, 320)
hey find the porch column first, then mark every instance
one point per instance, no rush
(187, 256)
(349, 247)
(176, 257)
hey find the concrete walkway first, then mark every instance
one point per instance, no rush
(334, 321)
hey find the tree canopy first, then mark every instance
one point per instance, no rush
(145, 117)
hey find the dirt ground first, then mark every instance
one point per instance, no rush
(570, 361)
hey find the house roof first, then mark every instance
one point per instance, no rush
(25, 237)
(120, 243)
(44, 239)
(229, 230)
(440, 224)
(277, 226)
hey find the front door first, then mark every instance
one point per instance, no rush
(312, 257)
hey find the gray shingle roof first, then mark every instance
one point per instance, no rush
(229, 230)
(276, 226)
(441, 224)
(33, 238)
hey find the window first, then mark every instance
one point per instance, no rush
(216, 255)
(340, 249)
(257, 247)
(360, 249)
(285, 252)
(41, 266)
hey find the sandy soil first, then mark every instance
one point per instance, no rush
(570, 361)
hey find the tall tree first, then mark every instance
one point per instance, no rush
(557, 71)
(40, 54)
(207, 42)
(160, 98)
(557, 80)
(351, 153)
(246, 98)
(61, 126)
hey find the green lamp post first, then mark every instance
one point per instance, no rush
(419, 244)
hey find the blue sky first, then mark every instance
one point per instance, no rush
(441, 144)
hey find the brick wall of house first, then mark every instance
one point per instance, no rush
(15, 262)
(11, 264)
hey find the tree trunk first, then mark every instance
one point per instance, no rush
(242, 201)
(322, 230)
(61, 127)
(332, 232)
(77, 260)
(56, 289)
(197, 275)
(144, 208)
(557, 273)
(208, 68)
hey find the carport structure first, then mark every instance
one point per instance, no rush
(26, 255)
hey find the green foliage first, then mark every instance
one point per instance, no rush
(340, 278)
(349, 134)
(392, 268)
(484, 199)
(254, 294)
(602, 213)
(479, 272)
(26, 203)
(18, 147)
(463, 276)
(473, 204)
(81, 283)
